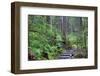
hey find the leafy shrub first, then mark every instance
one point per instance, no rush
(44, 41)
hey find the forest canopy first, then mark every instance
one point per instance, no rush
(57, 37)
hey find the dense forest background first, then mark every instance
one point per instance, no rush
(57, 37)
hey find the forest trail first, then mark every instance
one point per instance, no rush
(49, 35)
(67, 54)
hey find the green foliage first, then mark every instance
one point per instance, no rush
(72, 38)
(78, 33)
(44, 40)
(77, 41)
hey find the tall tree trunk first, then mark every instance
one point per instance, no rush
(65, 27)
(63, 23)
(49, 21)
